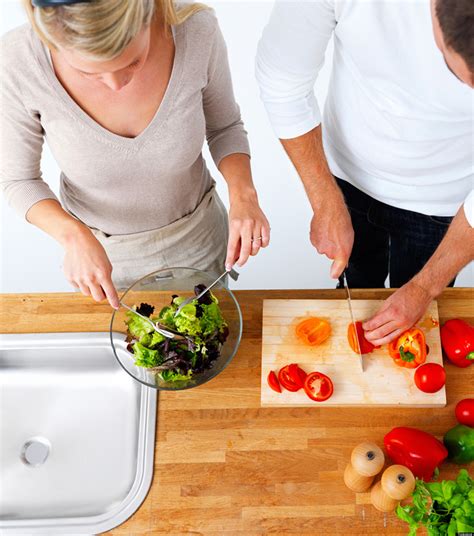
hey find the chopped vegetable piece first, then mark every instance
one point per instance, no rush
(318, 386)
(356, 334)
(313, 331)
(273, 382)
(409, 350)
(286, 381)
(297, 374)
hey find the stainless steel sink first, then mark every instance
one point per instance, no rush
(77, 435)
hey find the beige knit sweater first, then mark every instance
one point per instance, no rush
(115, 184)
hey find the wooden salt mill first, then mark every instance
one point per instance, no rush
(367, 460)
(397, 483)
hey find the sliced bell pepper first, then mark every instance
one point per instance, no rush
(460, 443)
(356, 333)
(313, 331)
(457, 338)
(409, 350)
(419, 451)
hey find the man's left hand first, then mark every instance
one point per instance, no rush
(398, 313)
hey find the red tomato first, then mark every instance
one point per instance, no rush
(465, 412)
(273, 382)
(430, 377)
(297, 374)
(286, 381)
(318, 386)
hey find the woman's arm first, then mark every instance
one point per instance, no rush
(228, 145)
(86, 265)
(249, 228)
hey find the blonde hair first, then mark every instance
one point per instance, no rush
(102, 29)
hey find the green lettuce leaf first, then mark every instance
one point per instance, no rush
(137, 326)
(144, 357)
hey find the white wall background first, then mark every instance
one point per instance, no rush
(31, 261)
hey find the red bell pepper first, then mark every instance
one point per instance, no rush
(457, 338)
(419, 451)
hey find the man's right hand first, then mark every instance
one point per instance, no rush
(87, 267)
(331, 230)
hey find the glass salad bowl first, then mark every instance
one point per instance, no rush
(206, 333)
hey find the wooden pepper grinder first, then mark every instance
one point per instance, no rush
(397, 483)
(367, 460)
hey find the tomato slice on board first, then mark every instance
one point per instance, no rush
(297, 374)
(356, 333)
(286, 381)
(318, 386)
(272, 381)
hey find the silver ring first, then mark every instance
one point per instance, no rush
(255, 239)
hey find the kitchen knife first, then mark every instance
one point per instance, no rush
(343, 282)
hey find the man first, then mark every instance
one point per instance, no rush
(389, 173)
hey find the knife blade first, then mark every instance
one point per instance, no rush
(343, 280)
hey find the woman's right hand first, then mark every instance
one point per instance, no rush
(88, 268)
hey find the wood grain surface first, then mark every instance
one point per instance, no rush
(226, 466)
(381, 384)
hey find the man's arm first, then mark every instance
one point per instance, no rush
(290, 56)
(408, 304)
(331, 228)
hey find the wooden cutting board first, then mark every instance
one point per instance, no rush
(382, 384)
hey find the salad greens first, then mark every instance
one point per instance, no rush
(201, 325)
(444, 508)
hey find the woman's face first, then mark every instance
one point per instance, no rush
(116, 73)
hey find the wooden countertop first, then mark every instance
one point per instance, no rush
(224, 465)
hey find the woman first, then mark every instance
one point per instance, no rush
(125, 92)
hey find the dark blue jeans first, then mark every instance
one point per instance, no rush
(388, 240)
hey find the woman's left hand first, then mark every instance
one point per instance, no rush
(249, 229)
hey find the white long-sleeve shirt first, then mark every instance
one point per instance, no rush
(397, 123)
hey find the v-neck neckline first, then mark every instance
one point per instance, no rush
(161, 112)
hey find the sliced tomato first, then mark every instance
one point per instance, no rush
(273, 382)
(318, 386)
(286, 381)
(297, 374)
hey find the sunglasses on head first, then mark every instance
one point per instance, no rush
(56, 3)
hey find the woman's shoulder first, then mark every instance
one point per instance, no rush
(201, 26)
(15, 47)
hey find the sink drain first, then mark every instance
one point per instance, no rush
(35, 451)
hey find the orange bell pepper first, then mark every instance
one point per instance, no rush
(313, 331)
(409, 350)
